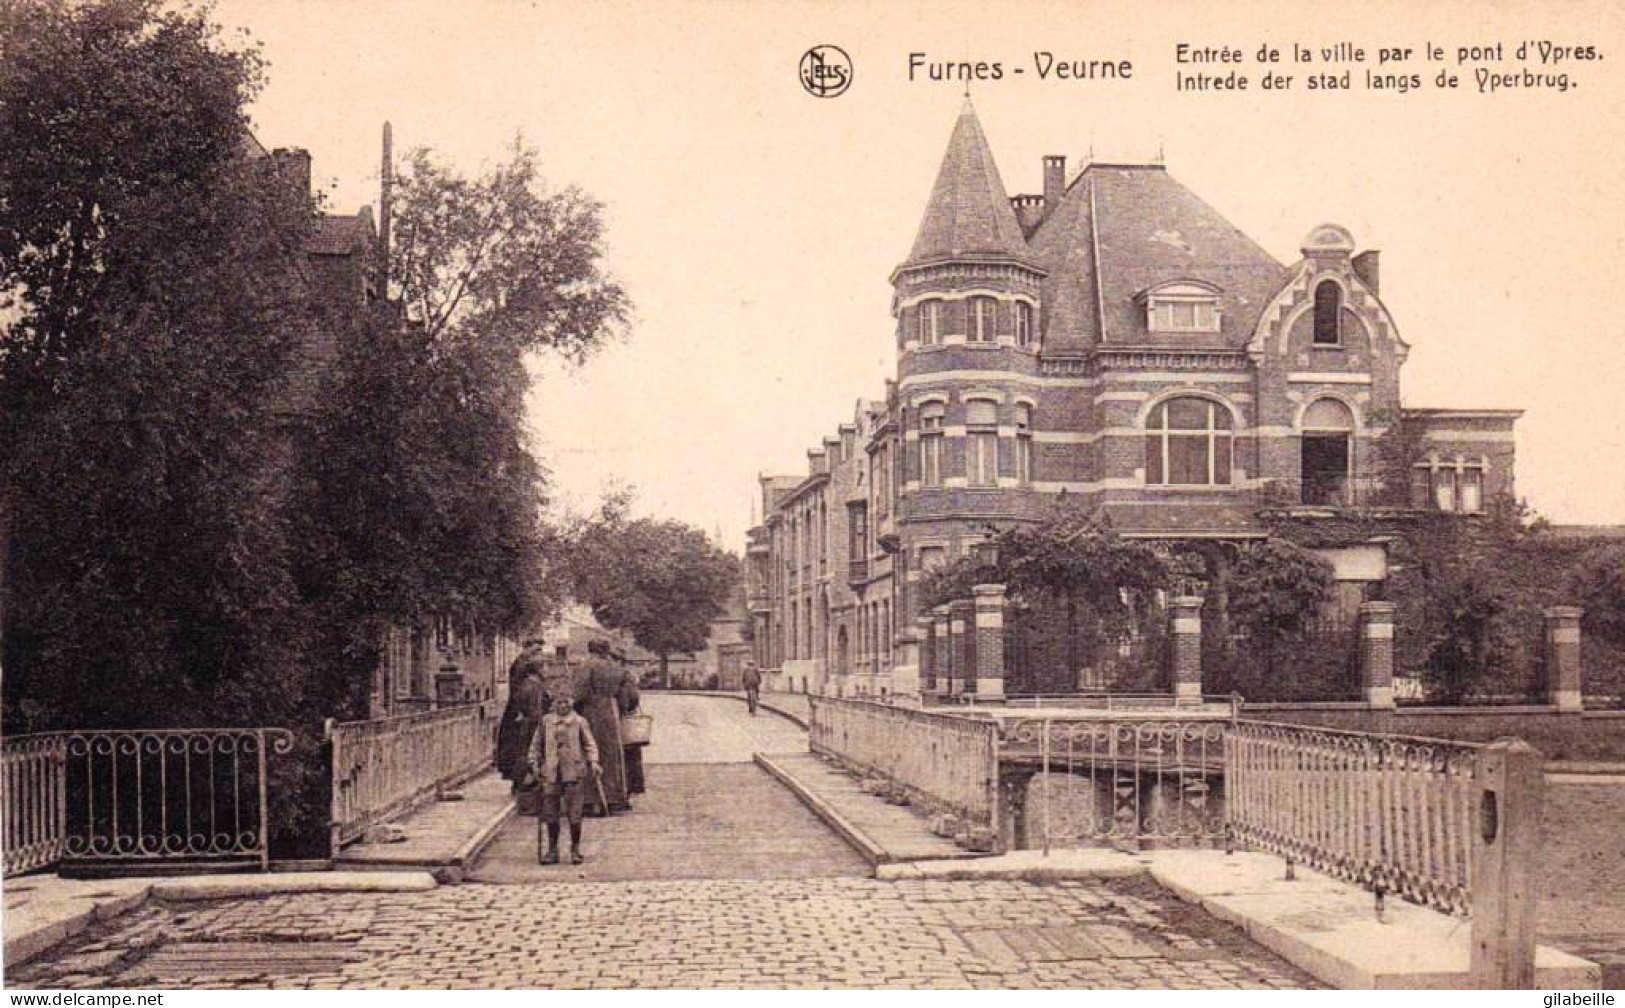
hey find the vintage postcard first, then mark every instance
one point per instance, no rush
(660, 494)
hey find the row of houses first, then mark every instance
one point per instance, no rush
(1115, 343)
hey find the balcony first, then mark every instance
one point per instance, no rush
(857, 571)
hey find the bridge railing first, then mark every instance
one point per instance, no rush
(1386, 812)
(951, 760)
(385, 767)
(1102, 779)
(138, 796)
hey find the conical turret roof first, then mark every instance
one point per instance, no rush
(969, 211)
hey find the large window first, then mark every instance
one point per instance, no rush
(981, 443)
(1327, 454)
(1024, 324)
(931, 444)
(1024, 443)
(1328, 311)
(930, 322)
(983, 313)
(1188, 443)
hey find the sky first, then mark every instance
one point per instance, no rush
(755, 225)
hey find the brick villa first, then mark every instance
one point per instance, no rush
(1113, 342)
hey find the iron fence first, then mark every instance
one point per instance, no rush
(173, 795)
(385, 767)
(1387, 812)
(1121, 780)
(951, 760)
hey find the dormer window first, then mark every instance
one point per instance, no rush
(1182, 307)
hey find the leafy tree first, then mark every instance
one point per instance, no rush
(1068, 570)
(424, 495)
(661, 580)
(151, 277)
(1275, 592)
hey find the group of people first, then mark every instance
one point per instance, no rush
(561, 733)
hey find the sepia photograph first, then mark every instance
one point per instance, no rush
(811, 495)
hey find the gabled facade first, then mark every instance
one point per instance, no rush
(1116, 341)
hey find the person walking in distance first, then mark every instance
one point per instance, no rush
(752, 680)
(569, 762)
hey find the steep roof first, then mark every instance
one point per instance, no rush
(1121, 229)
(342, 234)
(969, 211)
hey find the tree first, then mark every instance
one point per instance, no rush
(1275, 592)
(662, 581)
(150, 270)
(1102, 585)
(424, 495)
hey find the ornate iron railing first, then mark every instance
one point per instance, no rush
(384, 768)
(1388, 812)
(36, 801)
(1120, 780)
(138, 796)
(949, 759)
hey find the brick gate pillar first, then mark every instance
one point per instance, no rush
(1185, 626)
(989, 648)
(1377, 654)
(961, 627)
(1565, 685)
(943, 648)
(928, 653)
(907, 676)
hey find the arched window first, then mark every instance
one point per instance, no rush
(1327, 457)
(1024, 324)
(1188, 443)
(929, 320)
(1328, 308)
(1024, 443)
(981, 443)
(983, 313)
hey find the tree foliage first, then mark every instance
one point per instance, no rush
(1078, 589)
(661, 580)
(424, 495)
(152, 287)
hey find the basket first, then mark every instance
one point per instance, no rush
(636, 728)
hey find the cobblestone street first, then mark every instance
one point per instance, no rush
(777, 934)
(718, 878)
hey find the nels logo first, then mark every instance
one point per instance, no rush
(826, 71)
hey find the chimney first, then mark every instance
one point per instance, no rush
(1365, 267)
(1054, 181)
(386, 187)
(293, 164)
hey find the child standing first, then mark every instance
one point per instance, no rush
(569, 754)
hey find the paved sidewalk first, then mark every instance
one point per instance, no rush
(42, 911)
(443, 836)
(882, 832)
